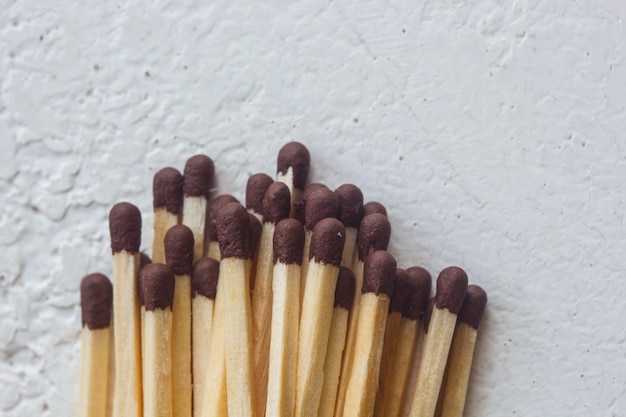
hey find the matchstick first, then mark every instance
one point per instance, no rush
(451, 289)
(374, 207)
(254, 235)
(256, 187)
(327, 243)
(462, 352)
(158, 284)
(179, 253)
(374, 234)
(379, 276)
(300, 205)
(204, 288)
(276, 207)
(350, 214)
(281, 383)
(233, 224)
(292, 168)
(167, 201)
(213, 251)
(96, 297)
(395, 384)
(144, 260)
(198, 178)
(344, 297)
(125, 230)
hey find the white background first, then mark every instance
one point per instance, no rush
(492, 130)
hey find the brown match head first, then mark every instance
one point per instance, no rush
(300, 205)
(256, 228)
(255, 191)
(374, 234)
(327, 241)
(320, 204)
(288, 242)
(276, 203)
(178, 244)
(374, 207)
(350, 205)
(451, 289)
(96, 301)
(158, 283)
(401, 291)
(345, 289)
(219, 202)
(125, 228)
(473, 306)
(233, 231)
(167, 190)
(379, 273)
(198, 176)
(144, 259)
(421, 283)
(296, 156)
(204, 277)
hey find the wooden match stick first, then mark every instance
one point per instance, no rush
(327, 243)
(158, 287)
(374, 234)
(281, 384)
(256, 229)
(179, 253)
(350, 214)
(144, 260)
(292, 168)
(451, 289)
(300, 205)
(462, 352)
(125, 230)
(204, 278)
(167, 194)
(255, 191)
(379, 277)
(395, 384)
(233, 224)
(96, 297)
(374, 207)
(198, 177)
(276, 207)
(218, 202)
(344, 297)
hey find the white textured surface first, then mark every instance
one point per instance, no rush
(492, 130)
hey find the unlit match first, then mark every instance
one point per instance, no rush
(167, 201)
(198, 178)
(292, 168)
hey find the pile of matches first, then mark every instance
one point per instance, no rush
(289, 306)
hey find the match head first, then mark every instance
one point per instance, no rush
(255, 191)
(421, 283)
(144, 259)
(401, 291)
(374, 234)
(158, 283)
(345, 289)
(167, 190)
(198, 176)
(256, 228)
(178, 243)
(473, 306)
(296, 156)
(204, 278)
(327, 241)
(320, 204)
(350, 205)
(374, 207)
(276, 203)
(96, 301)
(216, 205)
(233, 231)
(451, 289)
(379, 273)
(125, 228)
(300, 205)
(288, 242)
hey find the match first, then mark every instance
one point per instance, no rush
(198, 179)
(167, 201)
(350, 214)
(213, 251)
(292, 168)
(256, 187)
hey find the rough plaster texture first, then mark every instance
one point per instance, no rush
(492, 130)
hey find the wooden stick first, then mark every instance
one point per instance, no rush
(317, 309)
(233, 223)
(344, 297)
(378, 281)
(254, 236)
(125, 230)
(462, 352)
(288, 242)
(451, 289)
(256, 187)
(198, 178)
(218, 202)
(167, 192)
(276, 206)
(158, 286)
(292, 168)
(350, 214)
(96, 296)
(144, 260)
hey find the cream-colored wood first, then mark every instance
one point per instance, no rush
(194, 217)
(163, 220)
(94, 372)
(181, 347)
(157, 379)
(213, 251)
(389, 346)
(201, 333)
(287, 178)
(305, 263)
(347, 256)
